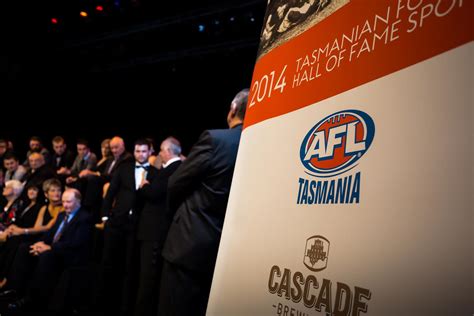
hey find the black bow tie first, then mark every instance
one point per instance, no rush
(146, 167)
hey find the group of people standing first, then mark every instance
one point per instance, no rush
(160, 226)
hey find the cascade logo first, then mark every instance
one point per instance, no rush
(316, 253)
(309, 292)
(337, 142)
(330, 148)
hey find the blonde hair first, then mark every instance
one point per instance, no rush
(53, 182)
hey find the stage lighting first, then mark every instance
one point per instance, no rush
(83, 14)
(99, 8)
(54, 21)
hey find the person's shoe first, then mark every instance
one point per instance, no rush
(8, 295)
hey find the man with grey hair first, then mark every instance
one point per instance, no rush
(197, 193)
(38, 173)
(153, 224)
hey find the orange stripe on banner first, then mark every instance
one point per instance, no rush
(416, 30)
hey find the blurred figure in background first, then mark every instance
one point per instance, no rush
(36, 146)
(14, 171)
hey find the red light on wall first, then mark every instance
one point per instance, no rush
(83, 14)
(99, 8)
(54, 20)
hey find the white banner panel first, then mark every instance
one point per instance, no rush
(362, 200)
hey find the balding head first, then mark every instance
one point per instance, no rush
(36, 160)
(169, 148)
(117, 146)
(237, 108)
(71, 200)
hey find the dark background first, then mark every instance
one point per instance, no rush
(139, 68)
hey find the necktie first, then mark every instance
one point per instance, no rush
(112, 164)
(146, 167)
(61, 228)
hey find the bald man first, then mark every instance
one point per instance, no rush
(38, 173)
(37, 268)
(119, 155)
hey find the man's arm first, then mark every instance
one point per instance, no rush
(92, 162)
(111, 193)
(191, 171)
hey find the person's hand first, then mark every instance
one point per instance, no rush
(11, 228)
(71, 180)
(39, 248)
(3, 236)
(84, 173)
(15, 231)
(100, 226)
(63, 170)
(143, 183)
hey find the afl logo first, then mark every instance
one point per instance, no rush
(336, 143)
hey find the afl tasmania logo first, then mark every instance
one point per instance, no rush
(336, 143)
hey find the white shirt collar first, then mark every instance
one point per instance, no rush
(169, 162)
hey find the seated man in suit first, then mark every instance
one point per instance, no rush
(36, 269)
(198, 192)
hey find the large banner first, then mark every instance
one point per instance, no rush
(353, 189)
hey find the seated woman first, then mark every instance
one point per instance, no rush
(24, 218)
(47, 214)
(44, 221)
(13, 203)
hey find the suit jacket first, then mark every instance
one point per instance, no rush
(154, 221)
(199, 191)
(122, 195)
(19, 174)
(74, 243)
(66, 160)
(41, 174)
(126, 157)
(89, 164)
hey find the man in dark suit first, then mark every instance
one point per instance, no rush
(65, 245)
(99, 180)
(62, 158)
(119, 210)
(153, 227)
(38, 173)
(199, 191)
(119, 156)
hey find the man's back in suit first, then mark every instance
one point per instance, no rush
(199, 191)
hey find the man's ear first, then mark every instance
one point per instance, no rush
(233, 110)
